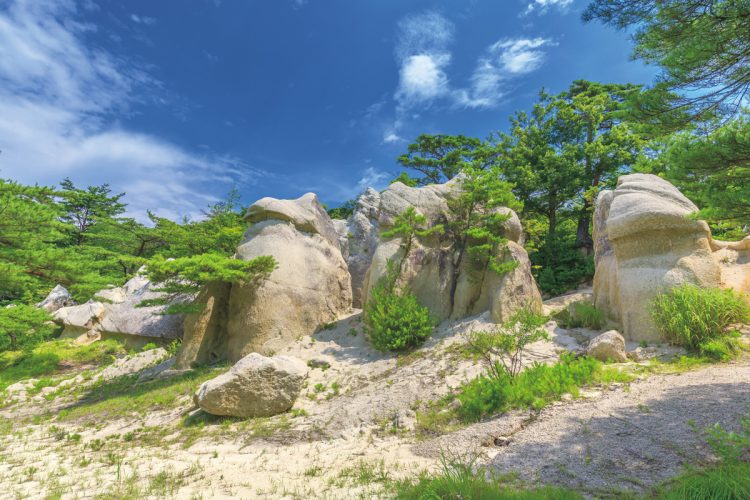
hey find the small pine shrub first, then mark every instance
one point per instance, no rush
(394, 320)
(22, 327)
(691, 317)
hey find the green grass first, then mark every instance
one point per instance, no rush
(48, 358)
(460, 481)
(728, 481)
(122, 397)
(581, 315)
(691, 317)
(534, 387)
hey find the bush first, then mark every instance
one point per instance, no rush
(535, 387)
(395, 321)
(691, 317)
(581, 314)
(23, 327)
(460, 481)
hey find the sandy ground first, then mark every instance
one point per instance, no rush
(357, 429)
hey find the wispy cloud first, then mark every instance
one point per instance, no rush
(422, 53)
(142, 19)
(59, 108)
(542, 6)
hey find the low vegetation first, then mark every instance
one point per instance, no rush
(700, 319)
(23, 327)
(581, 314)
(49, 358)
(394, 320)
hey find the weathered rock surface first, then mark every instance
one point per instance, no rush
(310, 287)
(609, 346)
(450, 289)
(114, 311)
(256, 386)
(59, 297)
(645, 242)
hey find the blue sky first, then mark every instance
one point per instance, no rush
(177, 101)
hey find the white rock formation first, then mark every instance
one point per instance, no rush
(646, 241)
(609, 346)
(256, 386)
(57, 298)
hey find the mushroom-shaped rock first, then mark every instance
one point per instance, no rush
(646, 242)
(57, 298)
(256, 386)
(609, 346)
(310, 286)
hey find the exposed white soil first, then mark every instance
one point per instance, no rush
(358, 426)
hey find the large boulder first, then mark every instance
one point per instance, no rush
(59, 297)
(114, 312)
(448, 285)
(256, 386)
(310, 287)
(646, 242)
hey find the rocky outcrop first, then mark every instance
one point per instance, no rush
(645, 242)
(59, 297)
(448, 287)
(358, 237)
(309, 288)
(609, 346)
(256, 386)
(115, 312)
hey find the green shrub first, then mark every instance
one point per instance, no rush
(461, 481)
(581, 315)
(534, 387)
(690, 316)
(730, 481)
(23, 327)
(394, 320)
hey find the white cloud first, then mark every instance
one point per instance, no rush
(421, 51)
(392, 138)
(142, 19)
(543, 5)
(373, 178)
(502, 61)
(58, 107)
(422, 79)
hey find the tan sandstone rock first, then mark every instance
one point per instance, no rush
(646, 242)
(310, 287)
(609, 346)
(430, 268)
(256, 386)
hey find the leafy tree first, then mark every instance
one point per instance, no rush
(23, 327)
(439, 157)
(83, 208)
(477, 224)
(344, 211)
(183, 277)
(409, 225)
(702, 47)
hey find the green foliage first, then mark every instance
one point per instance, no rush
(438, 157)
(701, 46)
(22, 327)
(502, 349)
(724, 482)
(405, 179)
(344, 211)
(183, 276)
(458, 480)
(394, 320)
(690, 316)
(731, 446)
(47, 357)
(534, 387)
(581, 315)
(83, 208)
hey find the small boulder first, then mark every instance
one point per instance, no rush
(256, 386)
(59, 297)
(609, 346)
